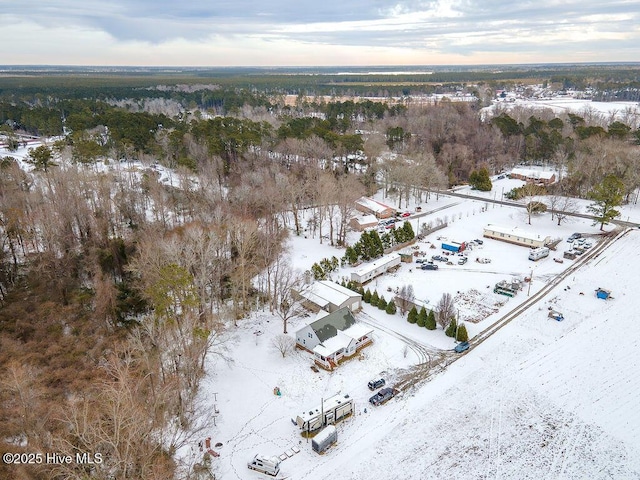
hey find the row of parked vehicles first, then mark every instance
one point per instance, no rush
(383, 395)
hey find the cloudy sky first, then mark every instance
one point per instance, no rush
(317, 32)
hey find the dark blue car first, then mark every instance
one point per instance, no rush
(461, 347)
(429, 266)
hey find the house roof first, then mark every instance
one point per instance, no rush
(328, 326)
(366, 220)
(333, 344)
(515, 231)
(326, 292)
(536, 174)
(370, 267)
(342, 339)
(374, 205)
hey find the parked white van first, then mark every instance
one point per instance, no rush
(264, 464)
(538, 253)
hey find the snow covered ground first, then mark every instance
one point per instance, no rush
(539, 399)
(627, 112)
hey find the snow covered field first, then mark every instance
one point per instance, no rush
(539, 399)
(627, 112)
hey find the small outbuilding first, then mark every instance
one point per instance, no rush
(370, 206)
(363, 222)
(329, 296)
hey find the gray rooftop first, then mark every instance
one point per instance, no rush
(327, 327)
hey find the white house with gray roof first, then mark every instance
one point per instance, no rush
(333, 337)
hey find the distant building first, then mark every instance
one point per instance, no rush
(333, 337)
(329, 296)
(533, 176)
(516, 235)
(373, 207)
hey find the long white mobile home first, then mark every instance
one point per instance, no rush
(331, 410)
(371, 270)
(516, 236)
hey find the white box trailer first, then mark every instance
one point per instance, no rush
(331, 410)
(538, 253)
(324, 439)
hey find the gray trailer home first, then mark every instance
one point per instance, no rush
(324, 439)
(371, 270)
(331, 410)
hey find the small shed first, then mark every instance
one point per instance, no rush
(406, 257)
(603, 294)
(363, 222)
(324, 439)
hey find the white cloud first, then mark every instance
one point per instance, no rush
(331, 33)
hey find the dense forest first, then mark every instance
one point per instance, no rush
(115, 285)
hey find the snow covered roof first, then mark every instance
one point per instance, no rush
(366, 220)
(369, 267)
(373, 205)
(342, 339)
(357, 331)
(515, 231)
(325, 292)
(333, 344)
(530, 173)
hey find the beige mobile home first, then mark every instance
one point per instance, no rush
(516, 235)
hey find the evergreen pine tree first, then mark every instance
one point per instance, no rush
(375, 298)
(413, 315)
(431, 321)
(377, 249)
(463, 336)
(451, 329)
(382, 303)
(351, 255)
(391, 308)
(367, 296)
(422, 317)
(361, 290)
(408, 231)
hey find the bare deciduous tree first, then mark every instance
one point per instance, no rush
(446, 310)
(284, 281)
(406, 296)
(284, 344)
